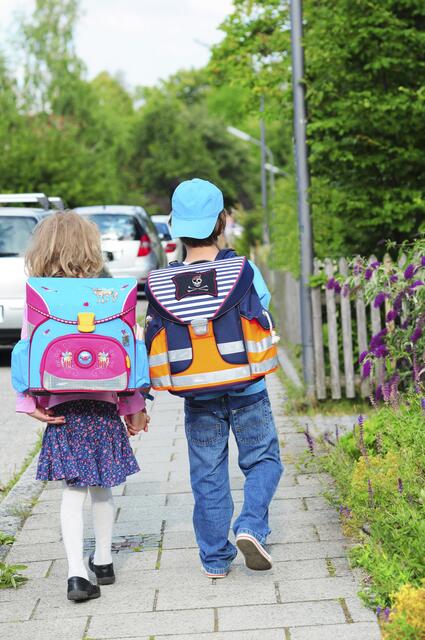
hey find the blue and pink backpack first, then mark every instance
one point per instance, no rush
(206, 329)
(81, 338)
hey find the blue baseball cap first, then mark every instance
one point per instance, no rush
(195, 207)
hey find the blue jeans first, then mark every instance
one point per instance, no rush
(208, 424)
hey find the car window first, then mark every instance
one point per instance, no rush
(162, 228)
(114, 226)
(15, 234)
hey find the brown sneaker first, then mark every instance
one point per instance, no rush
(256, 557)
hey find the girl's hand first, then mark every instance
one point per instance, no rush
(137, 422)
(46, 415)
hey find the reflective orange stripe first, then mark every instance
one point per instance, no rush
(158, 347)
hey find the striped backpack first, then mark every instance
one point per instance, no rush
(206, 329)
(81, 338)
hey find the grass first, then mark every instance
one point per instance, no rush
(298, 403)
(10, 578)
(5, 489)
(6, 539)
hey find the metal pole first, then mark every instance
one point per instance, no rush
(304, 219)
(266, 235)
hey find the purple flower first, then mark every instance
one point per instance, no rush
(393, 278)
(363, 356)
(360, 420)
(366, 369)
(423, 261)
(368, 274)
(330, 284)
(345, 290)
(381, 351)
(409, 272)
(379, 300)
(379, 393)
(417, 283)
(423, 403)
(398, 301)
(310, 441)
(416, 334)
(377, 339)
(375, 265)
(378, 610)
(405, 323)
(391, 315)
(356, 269)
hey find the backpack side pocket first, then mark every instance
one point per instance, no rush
(142, 368)
(20, 366)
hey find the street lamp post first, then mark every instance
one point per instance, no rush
(304, 219)
(269, 166)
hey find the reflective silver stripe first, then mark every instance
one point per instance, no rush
(157, 359)
(175, 355)
(55, 383)
(262, 367)
(261, 345)
(231, 347)
(163, 381)
(211, 377)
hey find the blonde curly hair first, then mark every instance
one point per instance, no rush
(65, 245)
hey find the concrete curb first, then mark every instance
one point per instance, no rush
(19, 498)
(288, 368)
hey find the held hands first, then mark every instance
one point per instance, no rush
(46, 415)
(137, 422)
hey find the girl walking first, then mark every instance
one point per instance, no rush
(85, 443)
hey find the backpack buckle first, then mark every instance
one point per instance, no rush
(199, 326)
(86, 322)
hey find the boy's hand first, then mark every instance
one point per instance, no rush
(45, 415)
(137, 422)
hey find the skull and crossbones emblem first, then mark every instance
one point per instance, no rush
(197, 284)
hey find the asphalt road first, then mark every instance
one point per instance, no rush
(18, 432)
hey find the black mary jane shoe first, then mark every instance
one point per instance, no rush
(80, 589)
(103, 572)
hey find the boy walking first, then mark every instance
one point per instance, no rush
(198, 218)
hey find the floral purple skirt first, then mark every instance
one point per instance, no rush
(91, 449)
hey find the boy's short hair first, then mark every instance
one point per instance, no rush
(219, 228)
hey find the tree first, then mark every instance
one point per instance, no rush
(365, 74)
(176, 138)
(366, 97)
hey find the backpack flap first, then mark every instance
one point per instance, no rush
(82, 334)
(188, 294)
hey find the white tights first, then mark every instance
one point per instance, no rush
(71, 514)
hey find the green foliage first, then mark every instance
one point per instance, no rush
(174, 141)
(10, 578)
(365, 92)
(90, 144)
(285, 252)
(365, 75)
(379, 472)
(6, 538)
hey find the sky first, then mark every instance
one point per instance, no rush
(146, 40)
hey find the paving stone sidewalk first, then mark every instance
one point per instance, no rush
(310, 594)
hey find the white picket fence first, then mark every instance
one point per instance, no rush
(350, 323)
(342, 375)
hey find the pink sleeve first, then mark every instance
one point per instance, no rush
(131, 404)
(24, 403)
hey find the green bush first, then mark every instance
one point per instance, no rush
(379, 472)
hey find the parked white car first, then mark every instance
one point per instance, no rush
(173, 247)
(129, 240)
(16, 227)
